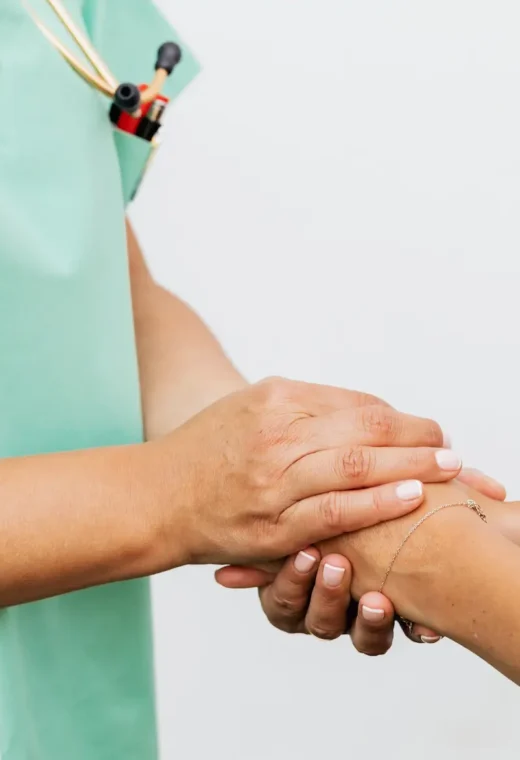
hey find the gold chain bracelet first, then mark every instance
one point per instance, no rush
(470, 504)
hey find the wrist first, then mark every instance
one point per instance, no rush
(166, 527)
(434, 572)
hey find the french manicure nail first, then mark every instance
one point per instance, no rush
(430, 639)
(410, 490)
(332, 576)
(372, 615)
(304, 562)
(448, 460)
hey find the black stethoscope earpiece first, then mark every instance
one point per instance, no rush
(127, 97)
(168, 56)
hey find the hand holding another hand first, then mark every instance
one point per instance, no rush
(281, 465)
(310, 594)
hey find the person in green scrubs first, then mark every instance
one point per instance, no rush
(96, 358)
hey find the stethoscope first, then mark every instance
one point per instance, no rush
(137, 109)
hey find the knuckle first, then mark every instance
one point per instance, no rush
(274, 390)
(261, 481)
(381, 421)
(287, 607)
(267, 536)
(379, 503)
(332, 507)
(354, 464)
(415, 460)
(276, 421)
(368, 399)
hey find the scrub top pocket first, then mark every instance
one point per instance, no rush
(134, 155)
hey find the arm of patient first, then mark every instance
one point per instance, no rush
(455, 574)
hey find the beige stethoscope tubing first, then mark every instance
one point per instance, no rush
(104, 81)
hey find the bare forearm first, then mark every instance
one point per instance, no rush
(182, 366)
(69, 521)
(465, 579)
(484, 615)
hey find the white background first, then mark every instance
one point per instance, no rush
(339, 199)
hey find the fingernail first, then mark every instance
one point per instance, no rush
(410, 490)
(372, 615)
(304, 562)
(448, 460)
(430, 639)
(332, 576)
(446, 441)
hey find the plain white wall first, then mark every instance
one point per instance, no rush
(338, 196)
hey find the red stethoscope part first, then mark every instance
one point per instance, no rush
(126, 122)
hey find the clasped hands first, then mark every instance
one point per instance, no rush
(383, 458)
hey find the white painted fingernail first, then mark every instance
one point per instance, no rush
(430, 639)
(372, 615)
(410, 490)
(446, 441)
(332, 576)
(304, 562)
(448, 460)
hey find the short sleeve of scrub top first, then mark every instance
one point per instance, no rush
(76, 671)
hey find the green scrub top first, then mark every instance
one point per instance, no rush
(76, 671)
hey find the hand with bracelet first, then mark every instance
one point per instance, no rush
(310, 592)
(454, 573)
